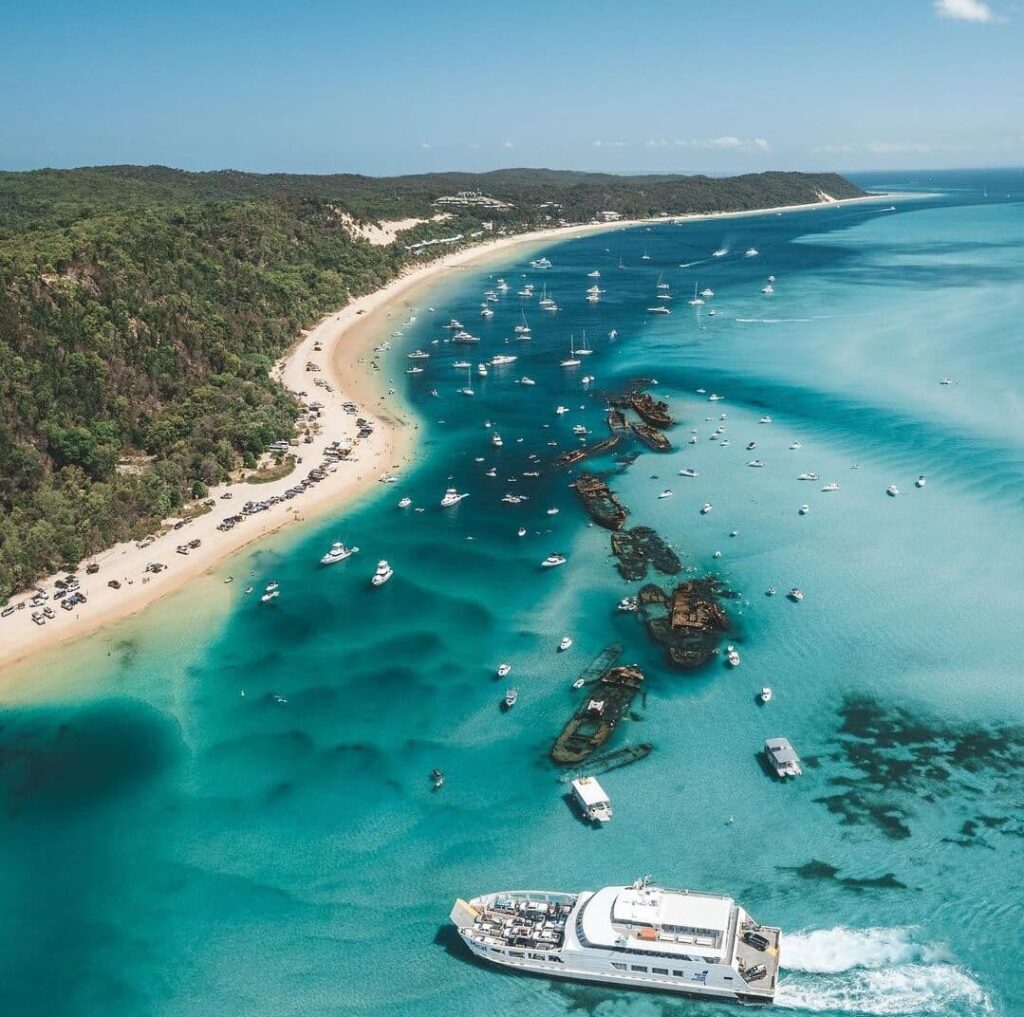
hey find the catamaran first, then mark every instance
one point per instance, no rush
(636, 937)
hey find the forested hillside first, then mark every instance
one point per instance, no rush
(142, 307)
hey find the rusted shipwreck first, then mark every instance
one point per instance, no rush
(639, 547)
(688, 622)
(603, 706)
(600, 502)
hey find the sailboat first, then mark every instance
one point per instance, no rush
(468, 390)
(523, 329)
(572, 360)
(696, 301)
(645, 256)
(621, 265)
(583, 351)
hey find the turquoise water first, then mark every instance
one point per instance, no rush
(172, 847)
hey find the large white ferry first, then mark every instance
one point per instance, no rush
(639, 937)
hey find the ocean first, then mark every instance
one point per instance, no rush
(228, 810)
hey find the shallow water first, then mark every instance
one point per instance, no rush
(171, 846)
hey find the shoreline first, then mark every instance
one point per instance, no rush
(347, 336)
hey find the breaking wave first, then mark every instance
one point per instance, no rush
(875, 971)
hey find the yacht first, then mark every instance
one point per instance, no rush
(732, 656)
(579, 429)
(465, 339)
(921, 481)
(720, 253)
(707, 293)
(946, 381)
(504, 670)
(452, 497)
(572, 360)
(892, 490)
(782, 758)
(659, 309)
(522, 329)
(662, 285)
(338, 552)
(486, 312)
(809, 476)
(496, 440)
(751, 252)
(688, 473)
(715, 397)
(833, 486)
(706, 508)
(564, 644)
(765, 695)
(757, 463)
(795, 446)
(804, 509)
(514, 499)
(511, 697)
(796, 594)
(500, 359)
(405, 502)
(768, 288)
(521, 531)
(696, 301)
(594, 275)
(419, 355)
(481, 370)
(584, 350)
(591, 800)
(383, 574)
(665, 494)
(552, 512)
(462, 365)
(270, 593)
(561, 409)
(414, 370)
(633, 937)
(455, 325)
(553, 560)
(501, 286)
(540, 263)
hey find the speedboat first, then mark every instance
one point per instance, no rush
(809, 476)
(338, 552)
(437, 779)
(383, 574)
(501, 359)
(795, 446)
(552, 512)
(414, 370)
(579, 683)
(419, 355)
(659, 309)
(594, 275)
(521, 531)
(405, 502)
(804, 509)
(526, 381)
(707, 292)
(770, 592)
(757, 463)
(452, 497)
(720, 253)
(496, 440)
(920, 482)
(751, 252)
(269, 594)
(765, 695)
(765, 420)
(732, 656)
(833, 486)
(796, 594)
(511, 696)
(751, 445)
(561, 409)
(462, 365)
(705, 508)
(564, 644)
(892, 490)
(553, 560)
(715, 397)
(768, 289)
(504, 670)
(946, 381)
(481, 370)
(687, 473)
(665, 494)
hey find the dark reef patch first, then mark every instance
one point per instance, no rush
(896, 760)
(819, 871)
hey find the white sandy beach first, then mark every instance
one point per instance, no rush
(347, 337)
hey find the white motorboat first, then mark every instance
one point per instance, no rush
(720, 253)
(594, 275)
(659, 309)
(715, 397)
(795, 446)
(501, 359)
(579, 429)
(732, 656)
(552, 512)
(591, 799)
(452, 497)
(496, 440)
(833, 486)
(665, 494)
(796, 594)
(511, 698)
(526, 381)
(768, 289)
(809, 476)
(269, 595)
(765, 695)
(553, 561)
(540, 263)
(892, 490)
(946, 381)
(419, 355)
(383, 574)
(782, 758)
(758, 464)
(486, 312)
(481, 370)
(707, 293)
(521, 531)
(804, 509)
(579, 683)
(564, 644)
(921, 481)
(512, 499)
(561, 409)
(688, 473)
(706, 508)
(751, 252)
(338, 552)
(454, 324)
(504, 670)
(462, 365)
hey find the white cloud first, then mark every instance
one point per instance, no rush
(507, 144)
(425, 144)
(965, 10)
(727, 142)
(609, 144)
(886, 148)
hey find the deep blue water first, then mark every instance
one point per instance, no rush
(171, 847)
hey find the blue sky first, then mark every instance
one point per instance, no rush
(690, 85)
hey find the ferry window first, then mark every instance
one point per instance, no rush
(638, 967)
(728, 978)
(659, 971)
(678, 974)
(515, 953)
(616, 964)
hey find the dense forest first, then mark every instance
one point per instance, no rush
(142, 307)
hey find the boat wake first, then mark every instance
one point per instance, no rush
(690, 264)
(875, 971)
(771, 321)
